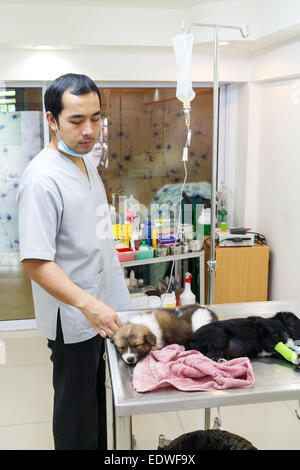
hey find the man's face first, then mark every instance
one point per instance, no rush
(80, 121)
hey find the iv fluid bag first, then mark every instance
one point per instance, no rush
(183, 45)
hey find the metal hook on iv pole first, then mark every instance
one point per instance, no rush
(212, 262)
(244, 31)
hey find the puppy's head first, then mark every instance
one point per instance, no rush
(291, 324)
(133, 342)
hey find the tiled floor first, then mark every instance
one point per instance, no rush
(26, 407)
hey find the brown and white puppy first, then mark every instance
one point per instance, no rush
(154, 329)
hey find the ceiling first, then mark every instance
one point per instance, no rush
(162, 4)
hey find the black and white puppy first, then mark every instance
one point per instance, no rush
(251, 337)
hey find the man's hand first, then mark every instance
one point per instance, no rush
(102, 318)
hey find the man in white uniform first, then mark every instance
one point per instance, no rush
(67, 250)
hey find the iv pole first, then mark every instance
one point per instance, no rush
(212, 265)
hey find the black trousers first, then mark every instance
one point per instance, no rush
(79, 411)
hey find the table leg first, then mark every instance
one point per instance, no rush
(110, 424)
(177, 266)
(207, 419)
(123, 432)
(201, 278)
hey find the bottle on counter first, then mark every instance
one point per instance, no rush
(133, 280)
(133, 213)
(147, 229)
(114, 216)
(143, 246)
(187, 297)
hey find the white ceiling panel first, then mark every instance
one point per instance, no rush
(163, 4)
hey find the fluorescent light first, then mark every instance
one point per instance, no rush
(7, 92)
(44, 47)
(224, 43)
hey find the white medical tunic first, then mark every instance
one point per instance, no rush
(64, 217)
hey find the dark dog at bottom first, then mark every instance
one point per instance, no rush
(246, 337)
(211, 439)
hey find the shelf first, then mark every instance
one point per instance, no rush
(161, 259)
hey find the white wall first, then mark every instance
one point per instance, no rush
(277, 62)
(235, 155)
(264, 161)
(278, 208)
(134, 64)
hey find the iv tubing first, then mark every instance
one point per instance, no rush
(179, 223)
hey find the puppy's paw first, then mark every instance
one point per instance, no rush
(297, 361)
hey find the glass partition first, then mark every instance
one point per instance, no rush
(143, 135)
(21, 138)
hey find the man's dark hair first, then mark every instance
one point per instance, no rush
(74, 83)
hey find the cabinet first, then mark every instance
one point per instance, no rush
(241, 274)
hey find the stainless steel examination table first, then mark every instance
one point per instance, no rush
(275, 380)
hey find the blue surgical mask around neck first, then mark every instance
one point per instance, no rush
(64, 148)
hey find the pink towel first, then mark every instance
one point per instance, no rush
(190, 371)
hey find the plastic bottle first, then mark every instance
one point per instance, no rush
(114, 218)
(133, 213)
(204, 221)
(154, 236)
(133, 280)
(222, 213)
(143, 246)
(124, 234)
(147, 229)
(187, 297)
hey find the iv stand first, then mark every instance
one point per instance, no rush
(212, 265)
